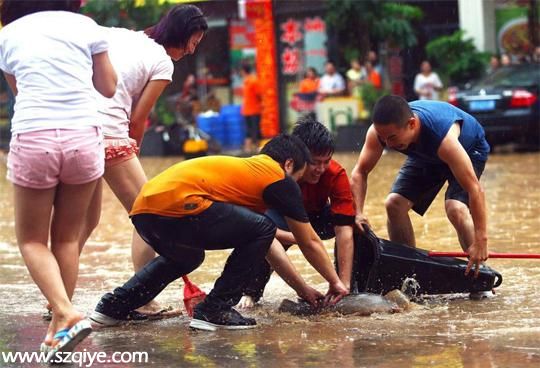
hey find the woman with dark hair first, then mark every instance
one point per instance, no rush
(143, 63)
(54, 60)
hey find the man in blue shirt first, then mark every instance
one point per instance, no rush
(443, 144)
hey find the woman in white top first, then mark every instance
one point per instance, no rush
(143, 63)
(427, 83)
(53, 59)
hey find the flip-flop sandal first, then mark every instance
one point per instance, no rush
(44, 348)
(70, 337)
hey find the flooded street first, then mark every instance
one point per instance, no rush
(500, 332)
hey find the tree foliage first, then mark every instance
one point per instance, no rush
(360, 24)
(395, 24)
(130, 14)
(457, 58)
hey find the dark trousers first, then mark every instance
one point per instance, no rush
(323, 226)
(181, 242)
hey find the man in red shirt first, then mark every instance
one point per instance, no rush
(328, 202)
(251, 109)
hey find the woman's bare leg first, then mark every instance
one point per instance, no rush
(93, 215)
(33, 208)
(126, 181)
(71, 206)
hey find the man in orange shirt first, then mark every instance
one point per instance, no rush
(218, 202)
(373, 76)
(251, 109)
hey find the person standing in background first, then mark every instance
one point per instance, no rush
(536, 55)
(310, 83)
(494, 64)
(427, 83)
(372, 76)
(506, 60)
(251, 109)
(372, 58)
(304, 100)
(331, 83)
(356, 76)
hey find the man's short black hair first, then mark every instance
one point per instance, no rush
(284, 147)
(391, 109)
(315, 135)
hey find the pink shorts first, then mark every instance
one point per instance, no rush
(44, 158)
(119, 150)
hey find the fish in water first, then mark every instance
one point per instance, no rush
(363, 304)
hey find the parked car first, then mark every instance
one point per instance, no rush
(506, 103)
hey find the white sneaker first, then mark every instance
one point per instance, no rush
(103, 320)
(479, 295)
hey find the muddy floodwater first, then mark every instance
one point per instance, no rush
(447, 332)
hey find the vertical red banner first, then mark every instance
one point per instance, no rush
(260, 13)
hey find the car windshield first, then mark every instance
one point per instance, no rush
(523, 76)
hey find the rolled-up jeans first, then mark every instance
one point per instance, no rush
(181, 243)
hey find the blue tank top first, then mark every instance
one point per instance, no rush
(436, 118)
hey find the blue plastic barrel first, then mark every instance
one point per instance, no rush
(234, 123)
(213, 125)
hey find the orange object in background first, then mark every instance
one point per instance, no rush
(260, 13)
(308, 85)
(251, 93)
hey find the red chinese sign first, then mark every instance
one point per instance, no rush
(260, 13)
(315, 25)
(290, 59)
(291, 32)
(306, 45)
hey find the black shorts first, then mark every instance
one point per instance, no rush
(420, 183)
(253, 129)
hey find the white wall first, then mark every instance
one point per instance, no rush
(477, 19)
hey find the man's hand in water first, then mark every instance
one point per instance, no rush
(360, 221)
(336, 292)
(311, 296)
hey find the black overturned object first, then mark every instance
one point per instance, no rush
(381, 266)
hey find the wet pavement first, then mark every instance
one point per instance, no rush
(446, 332)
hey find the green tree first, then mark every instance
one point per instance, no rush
(458, 59)
(125, 13)
(360, 24)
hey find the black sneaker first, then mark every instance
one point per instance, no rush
(220, 319)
